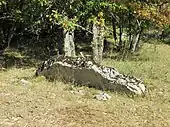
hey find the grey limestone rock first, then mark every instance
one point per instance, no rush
(102, 97)
(82, 71)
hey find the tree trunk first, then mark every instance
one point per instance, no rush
(136, 41)
(95, 44)
(114, 28)
(69, 46)
(101, 43)
(2, 37)
(6, 39)
(98, 42)
(136, 38)
(120, 37)
(10, 38)
(60, 40)
(130, 32)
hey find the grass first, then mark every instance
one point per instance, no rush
(43, 103)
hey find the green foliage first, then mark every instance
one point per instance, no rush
(40, 17)
(2, 2)
(64, 21)
(13, 53)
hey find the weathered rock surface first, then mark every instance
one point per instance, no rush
(85, 72)
(103, 97)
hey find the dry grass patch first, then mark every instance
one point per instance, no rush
(43, 103)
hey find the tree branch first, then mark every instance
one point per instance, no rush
(83, 28)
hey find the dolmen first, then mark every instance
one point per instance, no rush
(82, 71)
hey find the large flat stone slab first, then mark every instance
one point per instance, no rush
(85, 72)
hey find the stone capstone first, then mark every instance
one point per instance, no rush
(82, 71)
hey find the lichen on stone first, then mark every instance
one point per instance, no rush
(83, 71)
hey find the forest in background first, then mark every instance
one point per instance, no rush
(43, 28)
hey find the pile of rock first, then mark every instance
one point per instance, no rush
(82, 71)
